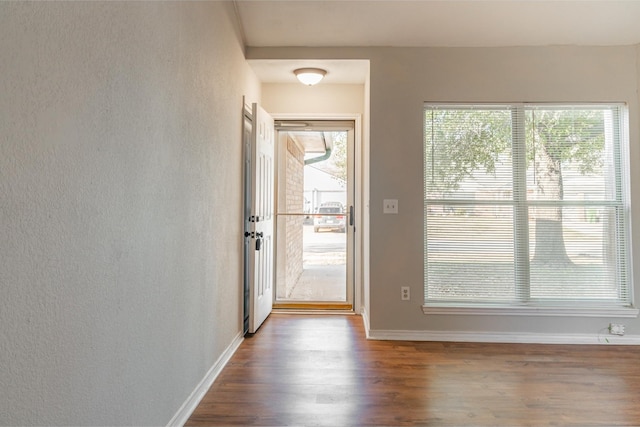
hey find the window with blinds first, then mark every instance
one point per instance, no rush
(525, 204)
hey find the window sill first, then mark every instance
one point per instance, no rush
(524, 310)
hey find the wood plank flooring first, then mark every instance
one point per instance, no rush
(319, 370)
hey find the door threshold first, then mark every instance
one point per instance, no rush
(305, 307)
(311, 311)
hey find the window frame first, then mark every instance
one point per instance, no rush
(529, 306)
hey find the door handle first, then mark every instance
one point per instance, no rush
(258, 236)
(351, 215)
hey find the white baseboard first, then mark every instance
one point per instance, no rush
(192, 402)
(503, 337)
(365, 321)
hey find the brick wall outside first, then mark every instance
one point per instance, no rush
(295, 203)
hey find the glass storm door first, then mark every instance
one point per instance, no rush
(315, 215)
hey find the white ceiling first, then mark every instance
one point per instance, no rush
(426, 23)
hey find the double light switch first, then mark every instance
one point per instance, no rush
(390, 206)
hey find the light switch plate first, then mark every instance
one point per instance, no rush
(390, 206)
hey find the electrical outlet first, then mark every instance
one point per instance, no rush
(616, 329)
(405, 293)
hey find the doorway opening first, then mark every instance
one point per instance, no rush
(315, 224)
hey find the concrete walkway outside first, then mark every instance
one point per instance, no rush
(325, 268)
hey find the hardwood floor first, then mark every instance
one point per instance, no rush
(319, 370)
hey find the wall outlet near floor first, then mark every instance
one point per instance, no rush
(616, 329)
(405, 293)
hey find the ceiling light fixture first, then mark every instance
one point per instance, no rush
(309, 76)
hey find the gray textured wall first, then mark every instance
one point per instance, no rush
(120, 206)
(536, 74)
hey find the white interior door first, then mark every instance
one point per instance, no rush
(260, 223)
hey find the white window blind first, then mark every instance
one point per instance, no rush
(525, 204)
